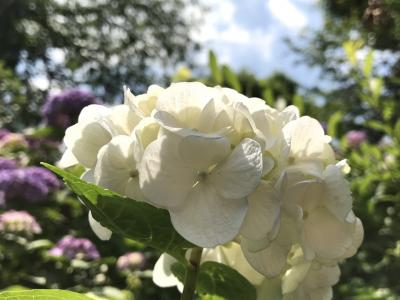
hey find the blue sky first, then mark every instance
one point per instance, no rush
(249, 34)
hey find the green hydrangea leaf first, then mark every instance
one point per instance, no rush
(132, 219)
(220, 281)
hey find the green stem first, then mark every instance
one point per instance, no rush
(192, 272)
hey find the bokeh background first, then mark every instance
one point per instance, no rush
(337, 60)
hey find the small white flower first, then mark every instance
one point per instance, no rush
(143, 104)
(307, 140)
(202, 183)
(96, 126)
(116, 168)
(306, 280)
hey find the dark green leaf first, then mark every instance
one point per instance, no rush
(379, 126)
(268, 97)
(333, 123)
(215, 71)
(217, 279)
(368, 64)
(136, 220)
(397, 130)
(231, 78)
(298, 101)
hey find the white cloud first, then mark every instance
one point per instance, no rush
(287, 13)
(250, 35)
(233, 43)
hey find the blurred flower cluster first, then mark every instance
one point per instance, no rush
(71, 247)
(19, 222)
(355, 138)
(131, 261)
(30, 184)
(62, 109)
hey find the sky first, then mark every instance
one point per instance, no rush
(249, 34)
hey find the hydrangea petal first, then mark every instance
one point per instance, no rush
(263, 213)
(328, 236)
(67, 160)
(358, 236)
(116, 168)
(338, 200)
(164, 178)
(162, 274)
(269, 261)
(307, 140)
(184, 94)
(294, 276)
(208, 220)
(93, 112)
(241, 172)
(321, 276)
(85, 140)
(102, 232)
(201, 153)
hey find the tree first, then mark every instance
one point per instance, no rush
(352, 28)
(103, 44)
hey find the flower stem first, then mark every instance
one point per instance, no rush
(192, 272)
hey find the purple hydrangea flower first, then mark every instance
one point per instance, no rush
(62, 110)
(32, 184)
(131, 261)
(355, 138)
(7, 164)
(72, 247)
(19, 222)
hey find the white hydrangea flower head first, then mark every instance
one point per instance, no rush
(203, 166)
(227, 167)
